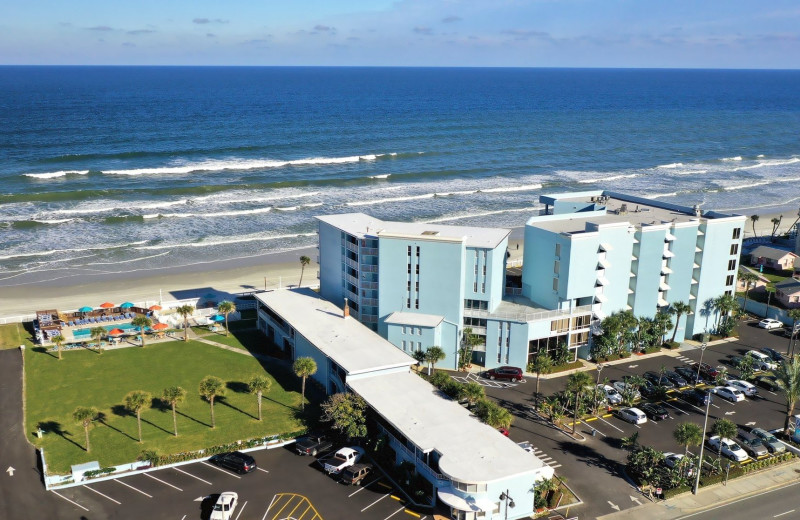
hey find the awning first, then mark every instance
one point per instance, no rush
(602, 280)
(604, 263)
(668, 253)
(666, 270)
(600, 298)
(473, 504)
(606, 247)
(663, 287)
(670, 237)
(663, 303)
(694, 282)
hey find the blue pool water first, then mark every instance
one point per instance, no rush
(80, 333)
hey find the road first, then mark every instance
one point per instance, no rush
(777, 503)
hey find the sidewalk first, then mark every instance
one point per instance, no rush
(712, 496)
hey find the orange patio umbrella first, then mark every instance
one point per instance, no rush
(160, 326)
(116, 332)
(107, 305)
(154, 308)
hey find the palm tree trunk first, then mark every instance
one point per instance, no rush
(259, 406)
(186, 331)
(302, 270)
(88, 448)
(142, 337)
(303, 395)
(226, 324)
(675, 330)
(174, 420)
(575, 413)
(536, 401)
(788, 422)
(59, 351)
(746, 294)
(139, 423)
(213, 424)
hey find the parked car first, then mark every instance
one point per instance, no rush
(235, 461)
(223, 509)
(708, 372)
(610, 394)
(771, 442)
(345, 457)
(743, 386)
(761, 361)
(631, 415)
(622, 388)
(658, 379)
(770, 324)
(690, 374)
(527, 446)
(768, 383)
(655, 412)
(773, 354)
(676, 379)
(312, 444)
(734, 361)
(355, 474)
(789, 332)
(503, 431)
(505, 374)
(752, 444)
(673, 460)
(651, 391)
(729, 393)
(696, 396)
(729, 448)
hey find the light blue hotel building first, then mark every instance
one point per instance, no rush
(586, 255)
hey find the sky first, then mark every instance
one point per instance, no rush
(464, 33)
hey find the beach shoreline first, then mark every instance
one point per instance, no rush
(70, 290)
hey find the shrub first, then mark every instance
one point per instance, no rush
(669, 493)
(672, 345)
(98, 472)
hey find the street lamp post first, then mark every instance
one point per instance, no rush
(703, 348)
(508, 500)
(702, 445)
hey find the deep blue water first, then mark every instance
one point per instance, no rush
(119, 168)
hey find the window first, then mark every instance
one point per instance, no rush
(556, 267)
(417, 268)
(475, 286)
(729, 280)
(417, 251)
(555, 284)
(483, 287)
(409, 250)
(416, 286)
(403, 328)
(731, 265)
(561, 325)
(558, 249)
(416, 303)
(404, 345)
(579, 338)
(484, 269)
(737, 232)
(728, 293)
(581, 322)
(734, 249)
(408, 285)
(408, 303)
(409, 268)
(419, 345)
(419, 331)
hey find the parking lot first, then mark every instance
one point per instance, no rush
(594, 467)
(285, 486)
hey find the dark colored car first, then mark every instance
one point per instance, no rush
(676, 379)
(312, 444)
(734, 361)
(658, 379)
(651, 391)
(773, 354)
(653, 411)
(706, 371)
(767, 382)
(505, 373)
(353, 475)
(235, 461)
(690, 374)
(696, 396)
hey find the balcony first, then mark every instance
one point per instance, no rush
(371, 251)
(350, 246)
(352, 263)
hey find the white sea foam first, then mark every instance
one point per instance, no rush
(662, 195)
(226, 241)
(208, 215)
(745, 186)
(390, 199)
(53, 221)
(605, 179)
(483, 214)
(528, 187)
(771, 162)
(83, 211)
(166, 204)
(670, 166)
(384, 176)
(73, 250)
(129, 261)
(759, 156)
(691, 172)
(55, 175)
(451, 193)
(737, 158)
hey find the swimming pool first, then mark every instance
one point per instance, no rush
(85, 333)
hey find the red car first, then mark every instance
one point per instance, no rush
(505, 373)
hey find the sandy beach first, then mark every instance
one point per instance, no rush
(73, 290)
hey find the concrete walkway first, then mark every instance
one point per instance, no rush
(712, 497)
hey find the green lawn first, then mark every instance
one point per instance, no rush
(13, 335)
(84, 378)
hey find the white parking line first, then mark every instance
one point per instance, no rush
(240, 510)
(220, 469)
(183, 517)
(372, 504)
(262, 469)
(269, 507)
(363, 487)
(165, 483)
(70, 501)
(608, 423)
(102, 495)
(133, 488)
(388, 517)
(198, 478)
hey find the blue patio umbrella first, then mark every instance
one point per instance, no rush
(126, 305)
(217, 318)
(85, 309)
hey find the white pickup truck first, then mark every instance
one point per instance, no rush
(334, 464)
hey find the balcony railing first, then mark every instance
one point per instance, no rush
(372, 251)
(531, 316)
(352, 263)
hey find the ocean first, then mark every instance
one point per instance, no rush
(118, 169)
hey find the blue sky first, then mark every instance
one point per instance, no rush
(521, 33)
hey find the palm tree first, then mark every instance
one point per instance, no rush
(97, 335)
(226, 308)
(419, 356)
(726, 429)
(679, 309)
(795, 315)
(142, 322)
(577, 383)
(749, 278)
(304, 261)
(58, 340)
(542, 364)
(259, 385)
(688, 434)
(433, 355)
(776, 223)
(174, 395)
(210, 388)
(724, 305)
(136, 401)
(84, 416)
(787, 377)
(473, 392)
(754, 219)
(185, 311)
(304, 367)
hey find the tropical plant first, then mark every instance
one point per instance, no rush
(226, 308)
(554, 409)
(58, 340)
(776, 223)
(749, 278)
(663, 323)
(135, 402)
(746, 368)
(726, 429)
(142, 322)
(433, 355)
(259, 385)
(185, 311)
(468, 343)
(644, 463)
(542, 364)
(347, 414)
(631, 442)
(787, 376)
(304, 261)
(304, 367)
(473, 392)
(493, 414)
(795, 315)
(724, 305)
(174, 395)
(84, 416)
(754, 219)
(688, 434)
(678, 309)
(419, 356)
(577, 383)
(212, 387)
(632, 385)
(97, 334)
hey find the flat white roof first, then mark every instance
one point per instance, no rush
(360, 224)
(471, 451)
(411, 318)
(350, 344)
